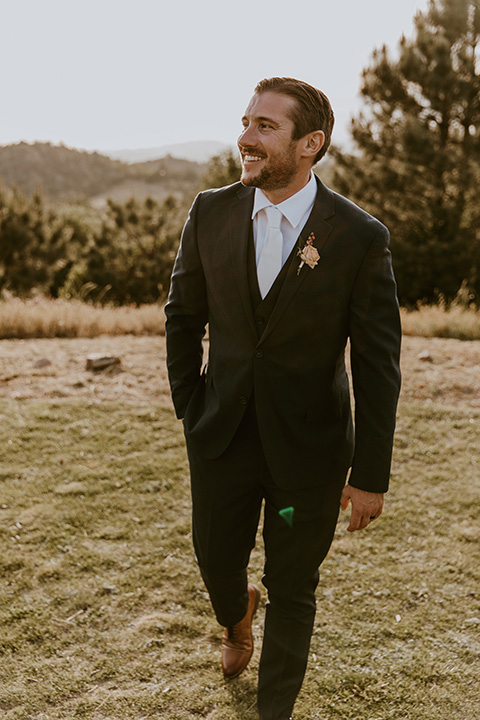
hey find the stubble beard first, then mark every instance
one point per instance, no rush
(276, 175)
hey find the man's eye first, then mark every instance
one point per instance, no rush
(265, 126)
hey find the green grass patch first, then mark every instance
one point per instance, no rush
(103, 614)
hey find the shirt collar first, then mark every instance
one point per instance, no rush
(293, 208)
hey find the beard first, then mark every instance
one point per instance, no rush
(278, 172)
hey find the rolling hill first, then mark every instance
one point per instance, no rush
(63, 173)
(200, 151)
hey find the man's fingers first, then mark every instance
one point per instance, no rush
(357, 521)
(366, 507)
(345, 499)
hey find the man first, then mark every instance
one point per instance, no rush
(284, 271)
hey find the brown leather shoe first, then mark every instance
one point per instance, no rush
(237, 641)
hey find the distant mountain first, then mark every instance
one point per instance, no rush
(63, 173)
(200, 151)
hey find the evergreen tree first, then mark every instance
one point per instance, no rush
(223, 169)
(130, 258)
(416, 165)
(35, 245)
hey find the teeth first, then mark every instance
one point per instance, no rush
(252, 158)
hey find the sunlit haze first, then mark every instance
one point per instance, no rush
(110, 74)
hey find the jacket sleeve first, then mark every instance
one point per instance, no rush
(375, 335)
(186, 317)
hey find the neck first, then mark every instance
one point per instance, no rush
(278, 195)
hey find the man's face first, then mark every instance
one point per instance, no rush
(270, 158)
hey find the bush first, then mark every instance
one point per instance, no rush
(130, 259)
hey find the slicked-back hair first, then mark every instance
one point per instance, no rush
(312, 110)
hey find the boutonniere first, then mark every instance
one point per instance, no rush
(308, 254)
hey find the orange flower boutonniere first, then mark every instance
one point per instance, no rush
(308, 254)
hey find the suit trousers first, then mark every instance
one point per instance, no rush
(227, 497)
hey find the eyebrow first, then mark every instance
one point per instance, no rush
(261, 118)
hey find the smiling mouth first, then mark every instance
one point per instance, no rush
(247, 158)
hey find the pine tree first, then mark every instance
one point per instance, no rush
(416, 163)
(129, 259)
(223, 169)
(35, 245)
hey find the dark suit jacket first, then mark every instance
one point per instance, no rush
(295, 371)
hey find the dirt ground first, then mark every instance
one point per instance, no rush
(434, 370)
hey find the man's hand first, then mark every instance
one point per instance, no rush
(366, 506)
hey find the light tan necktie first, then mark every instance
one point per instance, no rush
(270, 260)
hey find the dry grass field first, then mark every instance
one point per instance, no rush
(47, 318)
(434, 370)
(42, 317)
(103, 615)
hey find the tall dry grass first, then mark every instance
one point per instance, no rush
(47, 318)
(44, 318)
(454, 321)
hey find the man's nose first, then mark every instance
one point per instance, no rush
(248, 137)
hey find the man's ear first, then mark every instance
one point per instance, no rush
(313, 143)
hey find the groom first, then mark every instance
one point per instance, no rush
(284, 271)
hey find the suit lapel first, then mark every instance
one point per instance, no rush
(239, 226)
(323, 208)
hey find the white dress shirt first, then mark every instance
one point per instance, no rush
(295, 211)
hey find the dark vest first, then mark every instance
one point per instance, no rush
(262, 309)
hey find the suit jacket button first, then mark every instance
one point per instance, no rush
(243, 400)
(258, 353)
(260, 320)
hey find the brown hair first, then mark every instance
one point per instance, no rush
(312, 110)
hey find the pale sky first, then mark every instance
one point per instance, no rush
(115, 74)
